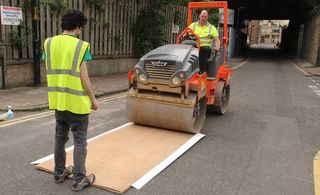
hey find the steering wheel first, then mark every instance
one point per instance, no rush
(190, 37)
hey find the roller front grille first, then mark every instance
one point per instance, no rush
(159, 72)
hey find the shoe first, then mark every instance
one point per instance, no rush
(85, 182)
(61, 177)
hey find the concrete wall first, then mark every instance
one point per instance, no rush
(18, 75)
(311, 38)
(21, 75)
(111, 66)
(232, 43)
(300, 40)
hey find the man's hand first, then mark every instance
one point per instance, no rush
(217, 48)
(87, 85)
(94, 105)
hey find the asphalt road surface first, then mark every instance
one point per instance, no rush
(265, 144)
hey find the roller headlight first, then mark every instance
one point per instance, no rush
(175, 81)
(142, 77)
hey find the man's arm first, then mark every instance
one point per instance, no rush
(216, 47)
(87, 85)
(216, 43)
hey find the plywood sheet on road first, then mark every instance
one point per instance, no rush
(122, 157)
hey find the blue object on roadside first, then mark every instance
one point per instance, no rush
(9, 113)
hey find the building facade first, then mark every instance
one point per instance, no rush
(270, 30)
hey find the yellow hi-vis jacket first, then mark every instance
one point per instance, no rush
(205, 33)
(64, 54)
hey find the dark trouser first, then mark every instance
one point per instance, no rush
(204, 55)
(78, 123)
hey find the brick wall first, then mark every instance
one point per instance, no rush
(311, 40)
(253, 31)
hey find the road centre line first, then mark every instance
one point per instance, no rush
(48, 113)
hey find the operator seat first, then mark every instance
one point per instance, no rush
(215, 64)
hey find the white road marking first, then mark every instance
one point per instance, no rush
(138, 184)
(313, 86)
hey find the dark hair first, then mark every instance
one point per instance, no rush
(73, 19)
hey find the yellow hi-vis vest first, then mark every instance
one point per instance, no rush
(205, 33)
(64, 54)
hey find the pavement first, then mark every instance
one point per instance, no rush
(307, 67)
(35, 98)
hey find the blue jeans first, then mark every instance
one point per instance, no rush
(78, 123)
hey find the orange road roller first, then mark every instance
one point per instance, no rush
(166, 89)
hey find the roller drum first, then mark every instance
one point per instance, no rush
(167, 115)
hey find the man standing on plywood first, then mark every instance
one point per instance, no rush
(70, 95)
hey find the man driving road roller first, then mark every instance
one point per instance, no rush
(209, 36)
